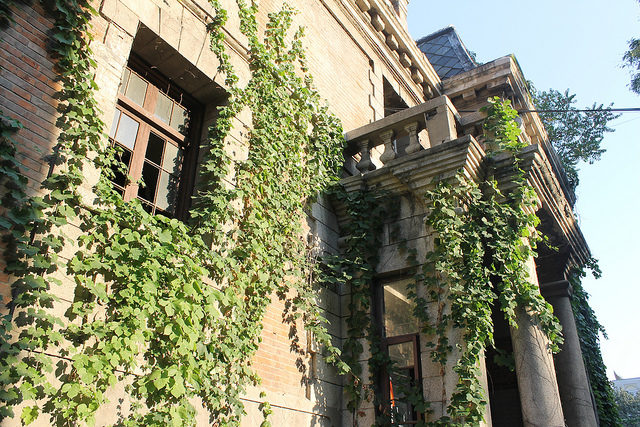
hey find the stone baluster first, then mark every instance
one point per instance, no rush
(389, 153)
(365, 164)
(442, 125)
(414, 142)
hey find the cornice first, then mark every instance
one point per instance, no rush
(500, 77)
(418, 172)
(540, 175)
(382, 28)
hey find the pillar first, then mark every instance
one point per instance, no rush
(539, 396)
(573, 382)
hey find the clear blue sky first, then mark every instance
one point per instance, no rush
(576, 44)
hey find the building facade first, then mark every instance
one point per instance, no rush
(407, 122)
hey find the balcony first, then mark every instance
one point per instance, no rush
(403, 155)
(418, 128)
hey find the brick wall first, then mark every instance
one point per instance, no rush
(27, 88)
(27, 91)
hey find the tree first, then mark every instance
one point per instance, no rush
(631, 60)
(575, 135)
(628, 406)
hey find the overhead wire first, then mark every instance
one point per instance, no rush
(582, 110)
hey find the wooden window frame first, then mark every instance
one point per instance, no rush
(148, 122)
(383, 376)
(417, 372)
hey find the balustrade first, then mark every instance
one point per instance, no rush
(403, 133)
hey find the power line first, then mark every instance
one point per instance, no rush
(584, 110)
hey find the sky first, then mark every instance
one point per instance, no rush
(576, 44)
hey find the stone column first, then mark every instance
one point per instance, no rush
(539, 396)
(573, 383)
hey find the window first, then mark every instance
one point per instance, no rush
(400, 339)
(153, 126)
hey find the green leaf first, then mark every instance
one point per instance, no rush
(29, 414)
(178, 389)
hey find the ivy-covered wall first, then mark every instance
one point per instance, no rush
(71, 189)
(44, 41)
(192, 322)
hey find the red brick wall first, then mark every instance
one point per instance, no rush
(275, 361)
(27, 90)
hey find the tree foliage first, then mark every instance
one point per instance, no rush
(632, 60)
(628, 406)
(576, 136)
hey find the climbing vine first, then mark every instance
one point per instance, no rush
(171, 310)
(485, 239)
(355, 268)
(589, 330)
(174, 310)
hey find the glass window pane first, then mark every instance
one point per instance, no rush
(123, 82)
(163, 107)
(167, 189)
(401, 381)
(398, 310)
(179, 119)
(147, 207)
(136, 89)
(119, 178)
(150, 179)
(154, 148)
(114, 124)
(172, 158)
(127, 131)
(402, 354)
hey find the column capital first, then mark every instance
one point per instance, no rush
(560, 288)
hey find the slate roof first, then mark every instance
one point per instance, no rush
(446, 52)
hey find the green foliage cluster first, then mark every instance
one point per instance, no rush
(576, 136)
(485, 240)
(632, 60)
(172, 310)
(355, 267)
(628, 406)
(589, 330)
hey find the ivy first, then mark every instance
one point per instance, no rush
(173, 310)
(355, 268)
(589, 330)
(484, 241)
